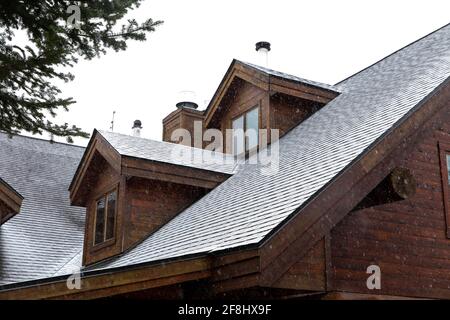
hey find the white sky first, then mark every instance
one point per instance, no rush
(321, 40)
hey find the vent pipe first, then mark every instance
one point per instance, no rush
(137, 126)
(263, 49)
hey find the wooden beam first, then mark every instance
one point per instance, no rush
(398, 185)
(172, 173)
(328, 95)
(135, 287)
(299, 94)
(127, 279)
(10, 202)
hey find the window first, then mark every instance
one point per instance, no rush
(444, 151)
(105, 217)
(238, 135)
(245, 132)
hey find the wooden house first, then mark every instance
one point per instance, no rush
(358, 208)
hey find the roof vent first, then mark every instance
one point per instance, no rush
(137, 126)
(187, 104)
(263, 49)
(186, 100)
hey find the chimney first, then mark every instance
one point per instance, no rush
(185, 117)
(263, 49)
(137, 126)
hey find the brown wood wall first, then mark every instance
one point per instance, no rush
(181, 119)
(308, 273)
(406, 239)
(151, 204)
(286, 112)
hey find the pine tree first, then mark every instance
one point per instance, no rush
(59, 33)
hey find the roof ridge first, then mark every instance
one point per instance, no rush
(166, 142)
(287, 76)
(41, 139)
(391, 54)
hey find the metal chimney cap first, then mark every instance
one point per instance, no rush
(262, 45)
(187, 104)
(137, 124)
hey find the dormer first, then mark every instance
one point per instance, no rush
(254, 97)
(10, 201)
(132, 186)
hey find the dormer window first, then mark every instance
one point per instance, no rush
(246, 132)
(105, 218)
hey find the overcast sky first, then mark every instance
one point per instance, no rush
(321, 40)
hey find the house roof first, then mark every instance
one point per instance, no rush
(290, 77)
(46, 237)
(48, 232)
(167, 152)
(244, 209)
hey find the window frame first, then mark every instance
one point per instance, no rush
(104, 196)
(444, 150)
(244, 116)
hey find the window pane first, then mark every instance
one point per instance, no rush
(238, 136)
(252, 123)
(448, 167)
(111, 216)
(99, 221)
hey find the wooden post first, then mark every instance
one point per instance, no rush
(397, 186)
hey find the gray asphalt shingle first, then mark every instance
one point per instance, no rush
(47, 232)
(172, 153)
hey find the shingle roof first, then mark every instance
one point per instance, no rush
(48, 232)
(292, 77)
(246, 207)
(169, 153)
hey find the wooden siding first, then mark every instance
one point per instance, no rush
(308, 273)
(150, 204)
(406, 239)
(181, 118)
(286, 112)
